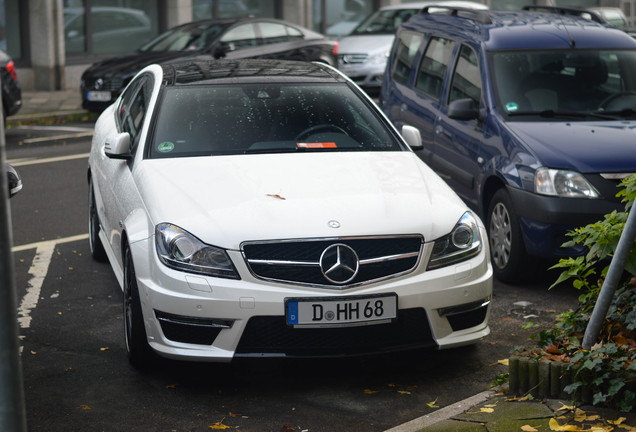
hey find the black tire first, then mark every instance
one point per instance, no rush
(507, 249)
(139, 352)
(97, 248)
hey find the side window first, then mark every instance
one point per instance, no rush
(273, 33)
(133, 109)
(434, 64)
(406, 49)
(241, 36)
(466, 82)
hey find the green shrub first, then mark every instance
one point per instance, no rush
(608, 369)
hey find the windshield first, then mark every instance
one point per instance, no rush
(572, 82)
(193, 38)
(384, 21)
(266, 118)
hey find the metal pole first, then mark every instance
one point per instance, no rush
(625, 244)
(12, 410)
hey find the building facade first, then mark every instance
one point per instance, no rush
(53, 41)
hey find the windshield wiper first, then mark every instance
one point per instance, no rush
(549, 113)
(617, 114)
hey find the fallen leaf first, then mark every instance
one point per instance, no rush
(367, 391)
(390, 385)
(85, 407)
(171, 386)
(104, 349)
(481, 410)
(518, 399)
(555, 426)
(33, 352)
(219, 425)
(235, 414)
(276, 196)
(617, 421)
(287, 429)
(503, 362)
(528, 428)
(432, 404)
(565, 407)
(404, 392)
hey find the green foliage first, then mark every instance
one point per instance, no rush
(608, 370)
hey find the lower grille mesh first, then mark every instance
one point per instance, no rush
(270, 335)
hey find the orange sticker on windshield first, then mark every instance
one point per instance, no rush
(317, 145)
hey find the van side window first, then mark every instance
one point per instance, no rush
(407, 47)
(433, 67)
(466, 82)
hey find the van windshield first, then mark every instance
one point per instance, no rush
(571, 81)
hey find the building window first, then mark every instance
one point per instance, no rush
(205, 9)
(337, 18)
(10, 37)
(111, 27)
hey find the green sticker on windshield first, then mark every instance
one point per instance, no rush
(512, 107)
(165, 147)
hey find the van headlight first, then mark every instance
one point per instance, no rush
(563, 183)
(463, 242)
(180, 250)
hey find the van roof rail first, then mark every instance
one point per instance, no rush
(592, 16)
(479, 15)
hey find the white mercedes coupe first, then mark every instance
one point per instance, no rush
(263, 208)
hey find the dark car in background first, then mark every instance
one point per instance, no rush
(230, 38)
(11, 92)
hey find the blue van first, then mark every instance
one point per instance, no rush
(529, 116)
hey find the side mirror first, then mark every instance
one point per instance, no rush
(223, 48)
(118, 146)
(15, 181)
(463, 109)
(412, 137)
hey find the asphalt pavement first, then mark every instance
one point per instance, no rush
(491, 410)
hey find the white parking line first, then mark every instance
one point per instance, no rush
(57, 137)
(23, 162)
(38, 270)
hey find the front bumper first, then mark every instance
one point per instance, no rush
(364, 74)
(545, 220)
(211, 319)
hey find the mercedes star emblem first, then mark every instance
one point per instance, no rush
(339, 263)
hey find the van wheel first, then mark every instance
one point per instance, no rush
(139, 352)
(507, 250)
(97, 248)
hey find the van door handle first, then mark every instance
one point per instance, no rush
(403, 107)
(439, 130)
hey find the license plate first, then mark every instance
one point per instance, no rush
(98, 96)
(341, 311)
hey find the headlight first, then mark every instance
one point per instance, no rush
(568, 184)
(463, 242)
(180, 250)
(379, 58)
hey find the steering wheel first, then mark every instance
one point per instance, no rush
(325, 127)
(618, 101)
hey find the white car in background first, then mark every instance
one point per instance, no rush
(268, 208)
(362, 55)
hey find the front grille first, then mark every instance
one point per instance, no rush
(352, 58)
(299, 261)
(270, 335)
(114, 85)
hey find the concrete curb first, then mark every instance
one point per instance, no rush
(35, 117)
(443, 414)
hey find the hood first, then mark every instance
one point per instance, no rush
(365, 44)
(230, 199)
(130, 64)
(587, 147)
